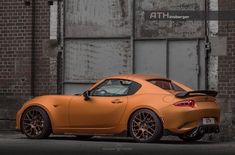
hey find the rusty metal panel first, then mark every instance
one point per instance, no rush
(150, 57)
(98, 18)
(89, 60)
(145, 28)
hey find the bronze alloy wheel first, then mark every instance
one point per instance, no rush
(145, 126)
(35, 123)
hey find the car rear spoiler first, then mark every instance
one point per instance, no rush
(185, 94)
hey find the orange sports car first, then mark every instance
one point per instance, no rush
(144, 107)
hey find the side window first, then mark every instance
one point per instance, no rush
(115, 87)
(177, 88)
(165, 84)
(134, 87)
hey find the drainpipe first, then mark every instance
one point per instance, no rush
(207, 43)
(33, 50)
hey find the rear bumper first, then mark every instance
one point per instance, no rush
(209, 129)
(204, 129)
(182, 120)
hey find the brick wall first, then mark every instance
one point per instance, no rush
(45, 62)
(16, 61)
(226, 74)
(16, 56)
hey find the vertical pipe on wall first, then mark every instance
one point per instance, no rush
(167, 59)
(133, 36)
(63, 11)
(33, 50)
(59, 54)
(207, 50)
(198, 65)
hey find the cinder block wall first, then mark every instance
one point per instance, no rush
(16, 57)
(226, 74)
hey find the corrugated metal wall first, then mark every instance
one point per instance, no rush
(106, 37)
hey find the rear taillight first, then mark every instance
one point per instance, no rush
(185, 103)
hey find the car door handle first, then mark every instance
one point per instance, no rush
(116, 101)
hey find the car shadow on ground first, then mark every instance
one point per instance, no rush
(174, 141)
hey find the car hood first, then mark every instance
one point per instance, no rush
(50, 99)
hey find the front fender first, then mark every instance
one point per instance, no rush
(26, 106)
(56, 107)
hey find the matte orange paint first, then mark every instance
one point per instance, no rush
(99, 116)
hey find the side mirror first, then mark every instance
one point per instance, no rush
(86, 95)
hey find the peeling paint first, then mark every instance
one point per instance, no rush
(213, 60)
(213, 25)
(168, 29)
(89, 60)
(53, 20)
(213, 73)
(100, 18)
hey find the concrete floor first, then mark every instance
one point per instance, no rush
(15, 143)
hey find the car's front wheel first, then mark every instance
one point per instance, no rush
(145, 126)
(35, 123)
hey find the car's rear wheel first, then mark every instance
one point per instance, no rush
(145, 126)
(35, 123)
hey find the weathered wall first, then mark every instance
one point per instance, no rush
(16, 51)
(148, 27)
(226, 74)
(16, 57)
(45, 59)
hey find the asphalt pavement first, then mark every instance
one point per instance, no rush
(16, 144)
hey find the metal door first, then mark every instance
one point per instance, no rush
(183, 62)
(96, 41)
(178, 60)
(106, 37)
(151, 57)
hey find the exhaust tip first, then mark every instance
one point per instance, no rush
(201, 130)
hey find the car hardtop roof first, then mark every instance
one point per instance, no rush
(137, 76)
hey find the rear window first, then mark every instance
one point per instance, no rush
(165, 84)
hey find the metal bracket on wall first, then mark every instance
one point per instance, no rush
(208, 46)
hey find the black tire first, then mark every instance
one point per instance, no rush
(35, 123)
(145, 126)
(190, 137)
(83, 137)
